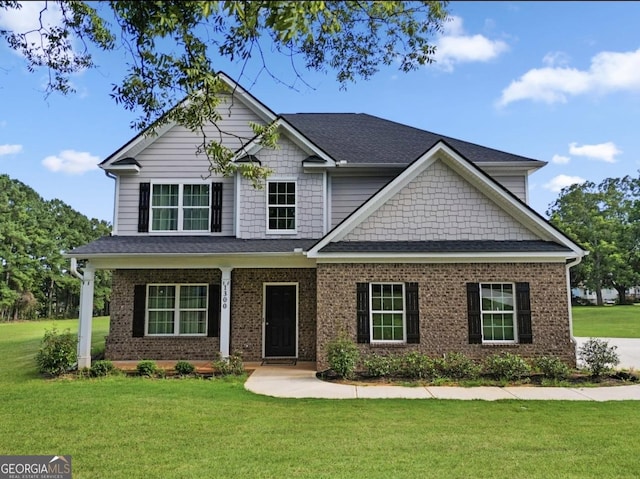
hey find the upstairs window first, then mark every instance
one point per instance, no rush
(281, 206)
(178, 207)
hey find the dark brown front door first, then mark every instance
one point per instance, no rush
(280, 320)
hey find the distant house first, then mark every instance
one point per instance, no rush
(609, 296)
(400, 238)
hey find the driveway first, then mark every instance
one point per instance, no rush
(628, 350)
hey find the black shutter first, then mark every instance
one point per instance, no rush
(139, 307)
(523, 308)
(412, 313)
(362, 306)
(213, 321)
(473, 313)
(216, 207)
(143, 208)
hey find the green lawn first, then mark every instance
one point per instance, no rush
(141, 428)
(606, 321)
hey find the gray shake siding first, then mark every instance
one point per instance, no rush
(439, 205)
(286, 163)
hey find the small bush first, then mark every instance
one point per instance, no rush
(58, 352)
(147, 368)
(377, 366)
(457, 366)
(598, 356)
(507, 366)
(415, 365)
(102, 367)
(343, 355)
(184, 368)
(551, 367)
(231, 366)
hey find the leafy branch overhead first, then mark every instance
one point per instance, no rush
(171, 48)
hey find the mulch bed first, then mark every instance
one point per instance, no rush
(576, 379)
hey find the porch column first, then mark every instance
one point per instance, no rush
(225, 312)
(86, 316)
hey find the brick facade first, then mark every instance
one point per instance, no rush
(247, 309)
(328, 293)
(443, 306)
(246, 314)
(121, 345)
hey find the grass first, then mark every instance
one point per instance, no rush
(607, 321)
(123, 427)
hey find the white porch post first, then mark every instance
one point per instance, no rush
(86, 316)
(225, 312)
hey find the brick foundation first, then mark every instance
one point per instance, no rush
(443, 306)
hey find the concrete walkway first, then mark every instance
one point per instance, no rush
(300, 382)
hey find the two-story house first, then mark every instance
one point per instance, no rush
(399, 238)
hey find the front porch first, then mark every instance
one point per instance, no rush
(256, 312)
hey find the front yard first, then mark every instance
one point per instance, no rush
(139, 428)
(606, 321)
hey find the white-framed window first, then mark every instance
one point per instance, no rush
(177, 309)
(498, 313)
(281, 206)
(180, 207)
(387, 312)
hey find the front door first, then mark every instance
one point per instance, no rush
(280, 312)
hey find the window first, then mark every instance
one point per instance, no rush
(177, 309)
(497, 312)
(180, 207)
(281, 206)
(387, 312)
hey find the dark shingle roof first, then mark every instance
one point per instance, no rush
(362, 138)
(482, 246)
(169, 245)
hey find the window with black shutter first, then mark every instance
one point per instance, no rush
(143, 207)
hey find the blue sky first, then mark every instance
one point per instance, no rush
(554, 81)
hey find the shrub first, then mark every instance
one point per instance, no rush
(231, 366)
(415, 365)
(376, 365)
(102, 367)
(184, 368)
(457, 366)
(598, 356)
(343, 355)
(58, 352)
(147, 368)
(551, 367)
(507, 366)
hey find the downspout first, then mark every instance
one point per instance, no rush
(570, 265)
(74, 269)
(116, 203)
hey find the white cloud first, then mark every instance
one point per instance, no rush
(609, 71)
(603, 151)
(561, 181)
(10, 149)
(454, 46)
(560, 160)
(71, 162)
(556, 59)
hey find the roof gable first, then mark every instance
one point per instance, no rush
(145, 138)
(394, 213)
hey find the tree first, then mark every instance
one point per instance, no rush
(604, 218)
(171, 47)
(34, 277)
